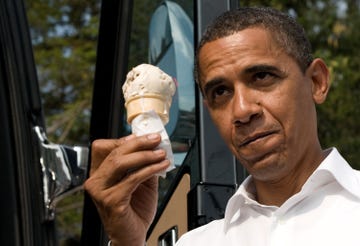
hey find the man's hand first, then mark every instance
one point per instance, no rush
(123, 185)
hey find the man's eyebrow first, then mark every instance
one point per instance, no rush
(262, 68)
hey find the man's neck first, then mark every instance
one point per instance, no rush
(276, 192)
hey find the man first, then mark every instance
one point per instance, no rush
(261, 85)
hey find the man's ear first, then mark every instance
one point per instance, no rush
(320, 77)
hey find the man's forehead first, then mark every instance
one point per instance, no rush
(244, 45)
(251, 30)
(248, 40)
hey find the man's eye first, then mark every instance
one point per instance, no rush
(262, 75)
(218, 95)
(264, 79)
(220, 91)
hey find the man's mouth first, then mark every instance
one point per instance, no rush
(257, 136)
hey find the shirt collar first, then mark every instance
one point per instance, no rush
(333, 167)
(341, 171)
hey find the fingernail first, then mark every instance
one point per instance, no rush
(159, 151)
(129, 137)
(153, 136)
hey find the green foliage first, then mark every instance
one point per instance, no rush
(64, 36)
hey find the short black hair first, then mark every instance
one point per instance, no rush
(289, 34)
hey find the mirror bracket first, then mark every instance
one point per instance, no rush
(63, 170)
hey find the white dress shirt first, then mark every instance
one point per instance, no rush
(325, 212)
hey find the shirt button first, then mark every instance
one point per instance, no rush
(281, 221)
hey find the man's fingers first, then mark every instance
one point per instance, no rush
(101, 148)
(115, 167)
(123, 156)
(134, 178)
(133, 144)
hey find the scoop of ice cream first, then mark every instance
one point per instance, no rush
(147, 88)
(148, 79)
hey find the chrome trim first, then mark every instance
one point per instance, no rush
(63, 169)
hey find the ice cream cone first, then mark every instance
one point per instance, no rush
(144, 103)
(148, 88)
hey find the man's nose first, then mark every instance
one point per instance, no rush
(246, 105)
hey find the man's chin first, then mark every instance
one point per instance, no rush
(264, 167)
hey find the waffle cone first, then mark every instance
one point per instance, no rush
(144, 103)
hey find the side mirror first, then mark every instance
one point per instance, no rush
(171, 47)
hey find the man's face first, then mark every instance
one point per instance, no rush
(261, 102)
